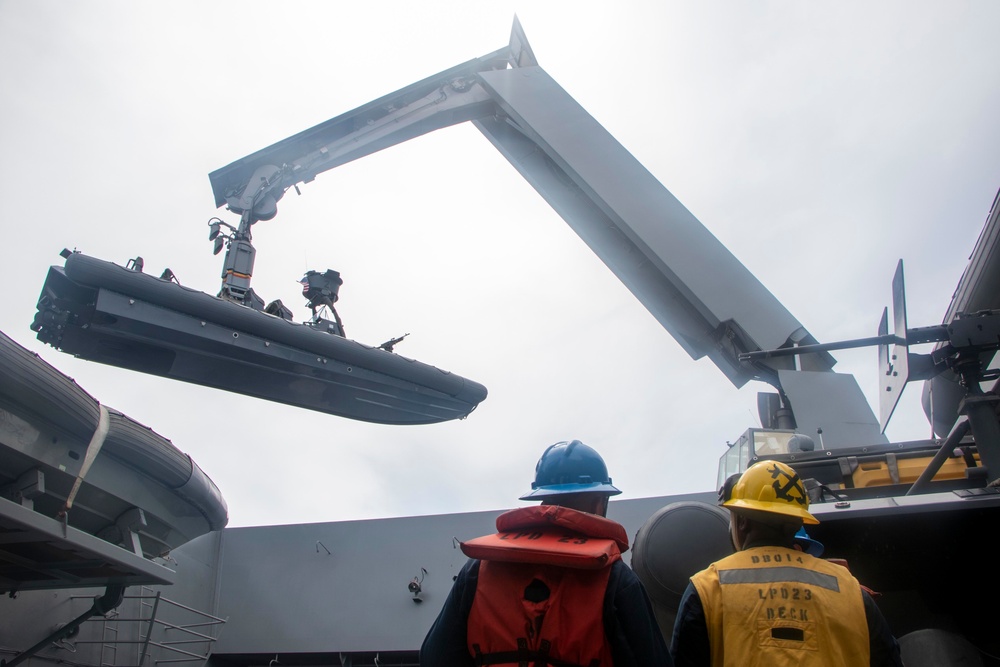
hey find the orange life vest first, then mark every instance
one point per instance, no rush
(540, 596)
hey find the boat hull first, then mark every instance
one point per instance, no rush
(103, 312)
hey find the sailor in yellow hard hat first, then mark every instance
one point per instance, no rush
(770, 603)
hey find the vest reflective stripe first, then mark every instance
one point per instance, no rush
(776, 607)
(775, 574)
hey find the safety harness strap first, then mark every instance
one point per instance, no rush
(524, 657)
(93, 449)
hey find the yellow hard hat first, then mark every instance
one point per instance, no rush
(769, 486)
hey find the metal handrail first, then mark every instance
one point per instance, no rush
(206, 620)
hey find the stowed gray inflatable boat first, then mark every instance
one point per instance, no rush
(76, 475)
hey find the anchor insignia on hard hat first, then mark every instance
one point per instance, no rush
(785, 491)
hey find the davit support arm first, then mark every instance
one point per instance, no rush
(705, 297)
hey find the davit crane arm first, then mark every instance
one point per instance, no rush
(705, 298)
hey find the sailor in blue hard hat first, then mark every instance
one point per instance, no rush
(560, 561)
(572, 474)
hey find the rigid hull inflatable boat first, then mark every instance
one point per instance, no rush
(103, 312)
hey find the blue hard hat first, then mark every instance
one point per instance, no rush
(570, 467)
(808, 544)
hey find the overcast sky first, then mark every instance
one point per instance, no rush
(821, 142)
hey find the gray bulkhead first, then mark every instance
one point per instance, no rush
(288, 592)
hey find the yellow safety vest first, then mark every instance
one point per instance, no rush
(778, 607)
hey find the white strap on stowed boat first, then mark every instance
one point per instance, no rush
(93, 449)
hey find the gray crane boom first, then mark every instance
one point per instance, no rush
(693, 285)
